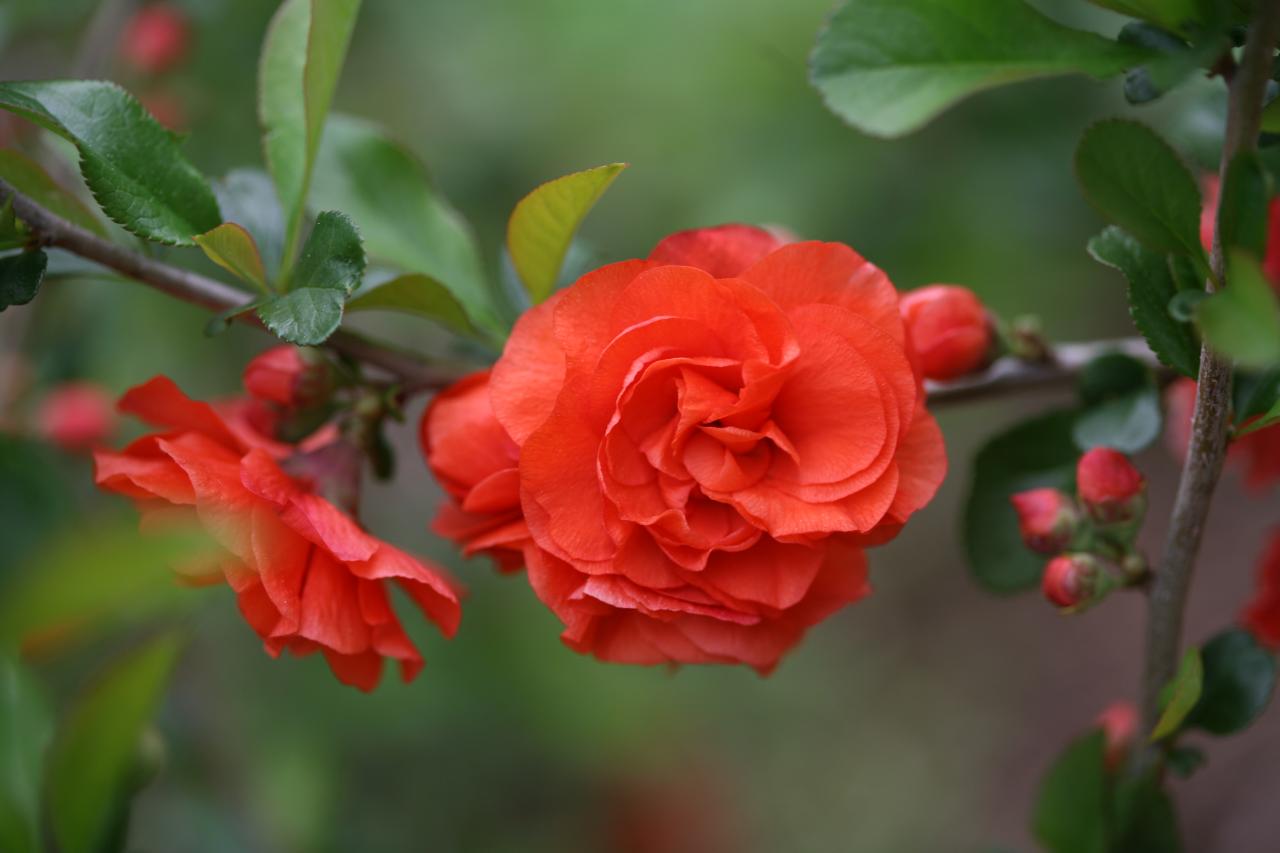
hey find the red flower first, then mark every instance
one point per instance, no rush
(1047, 519)
(1110, 488)
(706, 440)
(76, 416)
(1209, 212)
(949, 329)
(156, 38)
(1258, 452)
(285, 376)
(1119, 722)
(472, 456)
(307, 577)
(1262, 614)
(1069, 579)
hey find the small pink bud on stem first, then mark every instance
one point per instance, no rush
(1111, 489)
(1047, 518)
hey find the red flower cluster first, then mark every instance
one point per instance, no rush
(692, 450)
(306, 576)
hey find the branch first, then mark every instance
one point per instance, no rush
(1208, 446)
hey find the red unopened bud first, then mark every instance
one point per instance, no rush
(156, 38)
(1070, 579)
(1110, 487)
(1047, 519)
(289, 377)
(1119, 724)
(949, 329)
(77, 416)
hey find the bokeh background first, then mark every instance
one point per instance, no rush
(917, 720)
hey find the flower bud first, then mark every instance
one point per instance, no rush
(156, 38)
(1119, 723)
(949, 329)
(76, 416)
(1110, 487)
(1070, 579)
(289, 377)
(1047, 519)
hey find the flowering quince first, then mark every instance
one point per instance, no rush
(1119, 723)
(949, 329)
(1257, 453)
(1070, 579)
(1209, 212)
(288, 378)
(706, 440)
(306, 576)
(1047, 519)
(1262, 614)
(1110, 488)
(156, 38)
(76, 416)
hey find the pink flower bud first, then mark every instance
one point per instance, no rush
(949, 329)
(1047, 519)
(156, 38)
(1070, 579)
(288, 377)
(1110, 487)
(1119, 723)
(77, 416)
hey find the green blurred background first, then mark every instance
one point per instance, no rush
(918, 720)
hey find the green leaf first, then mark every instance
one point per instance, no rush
(26, 727)
(1121, 405)
(1271, 117)
(1175, 62)
(1239, 677)
(1071, 811)
(1256, 396)
(1184, 692)
(232, 247)
(131, 163)
(29, 178)
(305, 317)
(544, 222)
(386, 190)
(1144, 817)
(1038, 452)
(20, 277)
(889, 66)
(419, 295)
(248, 197)
(1185, 760)
(1243, 206)
(93, 762)
(1134, 178)
(1151, 287)
(301, 60)
(1242, 320)
(330, 267)
(1172, 15)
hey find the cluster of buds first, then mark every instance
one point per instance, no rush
(1091, 538)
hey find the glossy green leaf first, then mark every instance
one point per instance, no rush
(20, 277)
(1144, 817)
(1257, 401)
(1121, 405)
(1244, 204)
(544, 222)
(232, 247)
(329, 269)
(889, 66)
(26, 727)
(1071, 810)
(1183, 693)
(131, 163)
(248, 197)
(93, 761)
(1183, 761)
(1173, 15)
(1135, 179)
(302, 58)
(1151, 287)
(419, 295)
(405, 222)
(1243, 319)
(1038, 452)
(1239, 678)
(305, 317)
(29, 178)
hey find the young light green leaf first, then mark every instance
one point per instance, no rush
(248, 197)
(1038, 452)
(20, 277)
(1151, 287)
(404, 221)
(1244, 203)
(889, 66)
(544, 222)
(231, 247)
(94, 757)
(301, 60)
(1071, 810)
(1239, 678)
(131, 163)
(26, 726)
(1243, 319)
(330, 267)
(1133, 177)
(1266, 419)
(416, 294)
(29, 178)
(1183, 693)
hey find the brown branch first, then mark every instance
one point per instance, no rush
(1208, 445)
